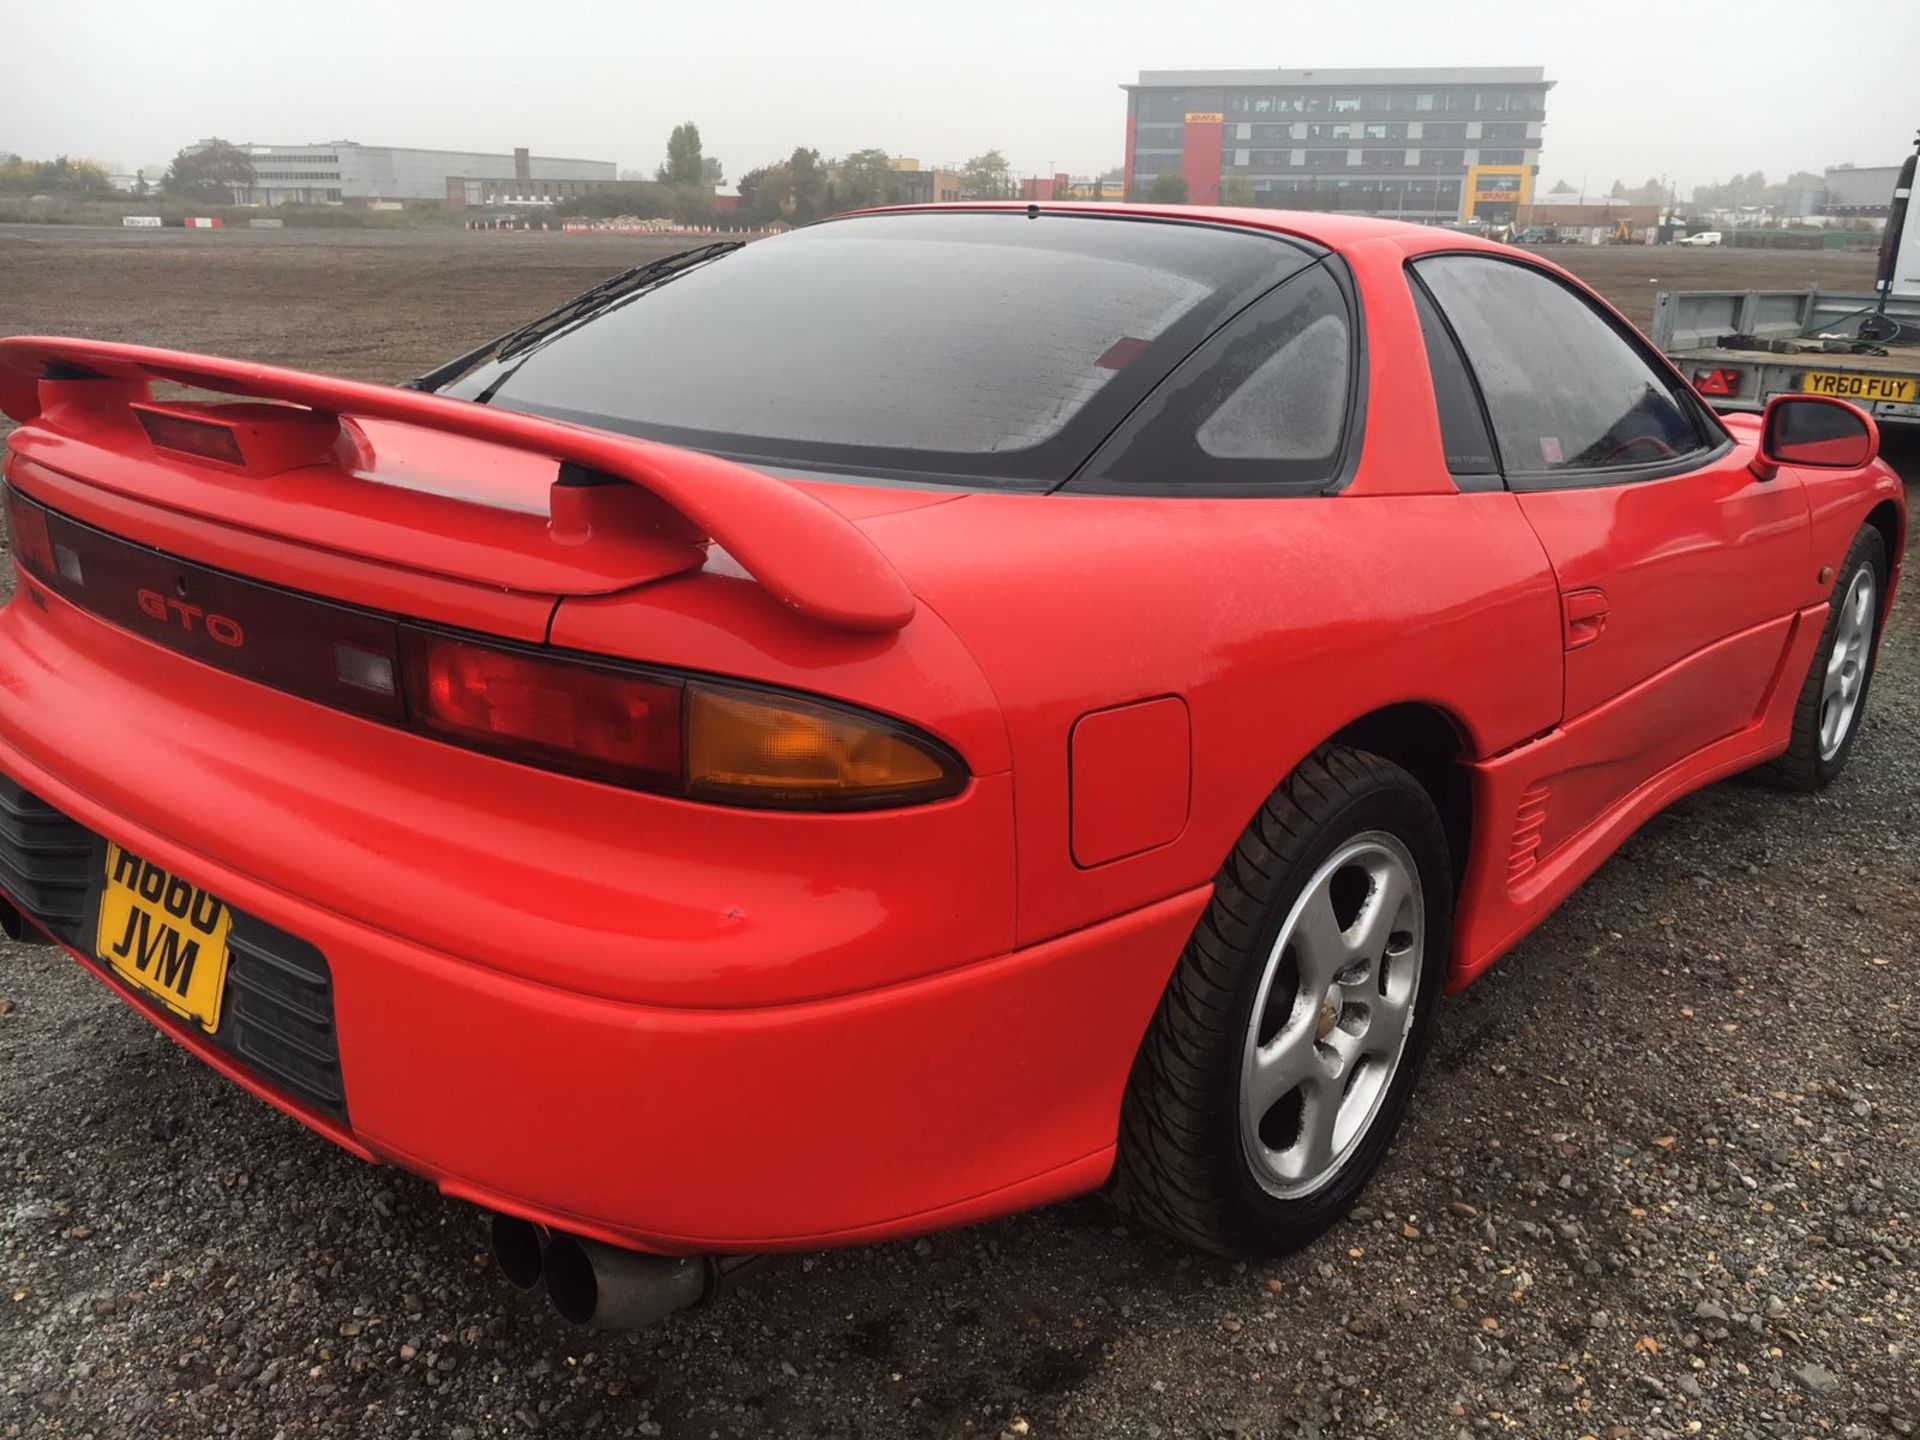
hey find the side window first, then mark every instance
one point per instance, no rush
(1263, 404)
(1463, 424)
(1567, 392)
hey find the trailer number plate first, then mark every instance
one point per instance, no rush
(1898, 388)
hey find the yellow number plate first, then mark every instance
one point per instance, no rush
(164, 936)
(1859, 387)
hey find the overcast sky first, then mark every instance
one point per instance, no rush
(1687, 90)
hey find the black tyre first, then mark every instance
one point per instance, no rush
(1833, 699)
(1288, 1042)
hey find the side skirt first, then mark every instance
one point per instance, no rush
(1545, 835)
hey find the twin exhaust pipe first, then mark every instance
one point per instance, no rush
(604, 1287)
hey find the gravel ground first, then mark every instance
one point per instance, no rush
(1660, 1180)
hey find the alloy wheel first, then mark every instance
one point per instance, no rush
(1846, 678)
(1332, 1015)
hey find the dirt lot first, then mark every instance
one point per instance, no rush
(383, 305)
(1660, 1179)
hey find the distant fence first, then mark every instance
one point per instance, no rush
(654, 227)
(630, 227)
(1804, 239)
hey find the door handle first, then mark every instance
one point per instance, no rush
(1585, 615)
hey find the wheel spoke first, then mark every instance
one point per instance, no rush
(1279, 1066)
(1322, 949)
(1836, 666)
(1387, 1014)
(1319, 1108)
(1368, 937)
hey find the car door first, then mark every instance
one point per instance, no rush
(1679, 569)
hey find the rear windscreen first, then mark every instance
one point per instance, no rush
(991, 346)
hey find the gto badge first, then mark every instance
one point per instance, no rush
(221, 628)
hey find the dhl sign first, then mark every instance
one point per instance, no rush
(1206, 117)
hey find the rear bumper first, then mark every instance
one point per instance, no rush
(880, 1109)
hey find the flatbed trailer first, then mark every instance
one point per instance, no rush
(1740, 348)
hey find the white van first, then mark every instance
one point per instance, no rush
(1701, 237)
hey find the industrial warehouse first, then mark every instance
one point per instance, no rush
(344, 171)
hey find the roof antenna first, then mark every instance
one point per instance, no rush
(1033, 211)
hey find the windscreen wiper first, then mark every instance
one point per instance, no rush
(615, 287)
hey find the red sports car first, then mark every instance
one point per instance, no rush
(882, 727)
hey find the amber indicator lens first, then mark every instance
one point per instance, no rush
(758, 747)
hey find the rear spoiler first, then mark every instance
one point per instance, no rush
(801, 551)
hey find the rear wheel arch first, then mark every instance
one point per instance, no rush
(1431, 745)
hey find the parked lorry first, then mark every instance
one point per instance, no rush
(1740, 348)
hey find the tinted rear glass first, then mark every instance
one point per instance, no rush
(1263, 405)
(989, 346)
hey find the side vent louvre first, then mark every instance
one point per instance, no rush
(1528, 821)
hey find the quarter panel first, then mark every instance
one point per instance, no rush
(1279, 621)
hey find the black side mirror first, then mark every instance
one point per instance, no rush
(1815, 430)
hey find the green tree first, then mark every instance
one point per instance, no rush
(690, 204)
(864, 179)
(58, 176)
(684, 165)
(766, 194)
(987, 177)
(809, 180)
(1561, 187)
(213, 170)
(1238, 190)
(1167, 189)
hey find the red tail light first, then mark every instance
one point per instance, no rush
(1722, 380)
(561, 714)
(27, 530)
